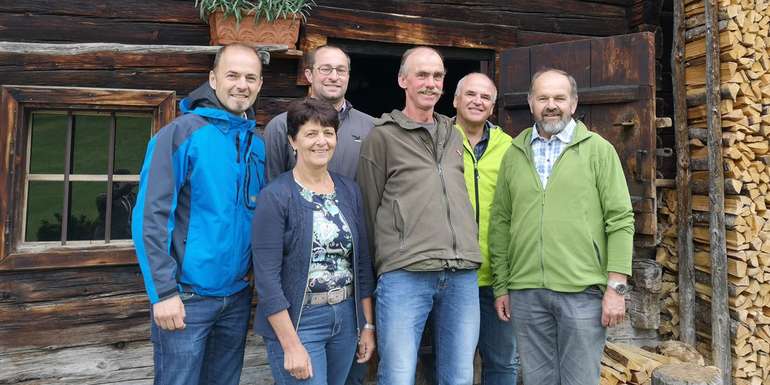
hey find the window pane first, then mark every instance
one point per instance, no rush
(48, 137)
(91, 138)
(87, 210)
(131, 137)
(123, 201)
(44, 205)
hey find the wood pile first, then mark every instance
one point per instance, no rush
(744, 72)
(627, 364)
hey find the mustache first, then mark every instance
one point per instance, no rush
(552, 111)
(430, 91)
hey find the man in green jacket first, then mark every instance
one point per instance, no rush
(560, 239)
(484, 146)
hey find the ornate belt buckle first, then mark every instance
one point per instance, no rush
(336, 296)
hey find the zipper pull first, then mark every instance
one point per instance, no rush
(237, 148)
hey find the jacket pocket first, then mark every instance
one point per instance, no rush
(598, 253)
(398, 224)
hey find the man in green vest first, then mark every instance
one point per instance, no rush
(484, 146)
(560, 239)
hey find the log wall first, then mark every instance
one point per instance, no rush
(90, 325)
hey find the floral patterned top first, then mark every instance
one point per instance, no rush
(331, 253)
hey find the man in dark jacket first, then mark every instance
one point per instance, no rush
(191, 225)
(421, 224)
(328, 72)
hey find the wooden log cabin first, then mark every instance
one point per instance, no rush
(72, 303)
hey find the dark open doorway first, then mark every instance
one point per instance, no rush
(373, 87)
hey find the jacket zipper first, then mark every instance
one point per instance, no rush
(542, 206)
(439, 157)
(476, 187)
(475, 183)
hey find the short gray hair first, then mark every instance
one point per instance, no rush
(573, 93)
(462, 82)
(402, 69)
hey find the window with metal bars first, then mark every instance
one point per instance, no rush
(83, 174)
(70, 160)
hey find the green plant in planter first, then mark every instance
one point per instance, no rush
(263, 9)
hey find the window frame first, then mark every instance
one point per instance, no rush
(16, 105)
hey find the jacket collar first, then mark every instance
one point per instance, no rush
(398, 117)
(524, 139)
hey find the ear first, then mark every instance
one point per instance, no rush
(531, 107)
(309, 75)
(573, 107)
(212, 80)
(402, 82)
(259, 87)
(454, 101)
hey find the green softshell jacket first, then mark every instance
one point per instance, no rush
(567, 236)
(481, 179)
(415, 201)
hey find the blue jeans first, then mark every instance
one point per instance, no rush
(328, 333)
(404, 299)
(209, 350)
(497, 344)
(560, 335)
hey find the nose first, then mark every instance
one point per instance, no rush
(241, 82)
(550, 104)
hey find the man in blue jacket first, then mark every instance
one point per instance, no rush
(191, 225)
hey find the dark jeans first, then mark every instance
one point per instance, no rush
(209, 350)
(497, 344)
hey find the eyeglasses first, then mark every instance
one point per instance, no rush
(327, 70)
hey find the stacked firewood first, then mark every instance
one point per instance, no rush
(627, 364)
(745, 117)
(666, 256)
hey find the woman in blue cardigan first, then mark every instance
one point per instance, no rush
(312, 268)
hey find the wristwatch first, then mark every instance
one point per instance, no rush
(620, 287)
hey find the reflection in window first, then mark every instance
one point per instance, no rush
(91, 198)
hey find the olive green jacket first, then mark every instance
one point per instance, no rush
(415, 201)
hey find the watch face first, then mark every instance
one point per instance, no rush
(621, 288)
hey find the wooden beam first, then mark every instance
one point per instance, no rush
(684, 195)
(87, 48)
(720, 327)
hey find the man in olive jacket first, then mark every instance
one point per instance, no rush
(423, 230)
(560, 239)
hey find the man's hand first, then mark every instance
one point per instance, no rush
(296, 361)
(169, 313)
(503, 308)
(613, 308)
(366, 346)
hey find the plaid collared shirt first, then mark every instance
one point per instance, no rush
(546, 152)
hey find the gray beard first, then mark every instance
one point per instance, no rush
(553, 128)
